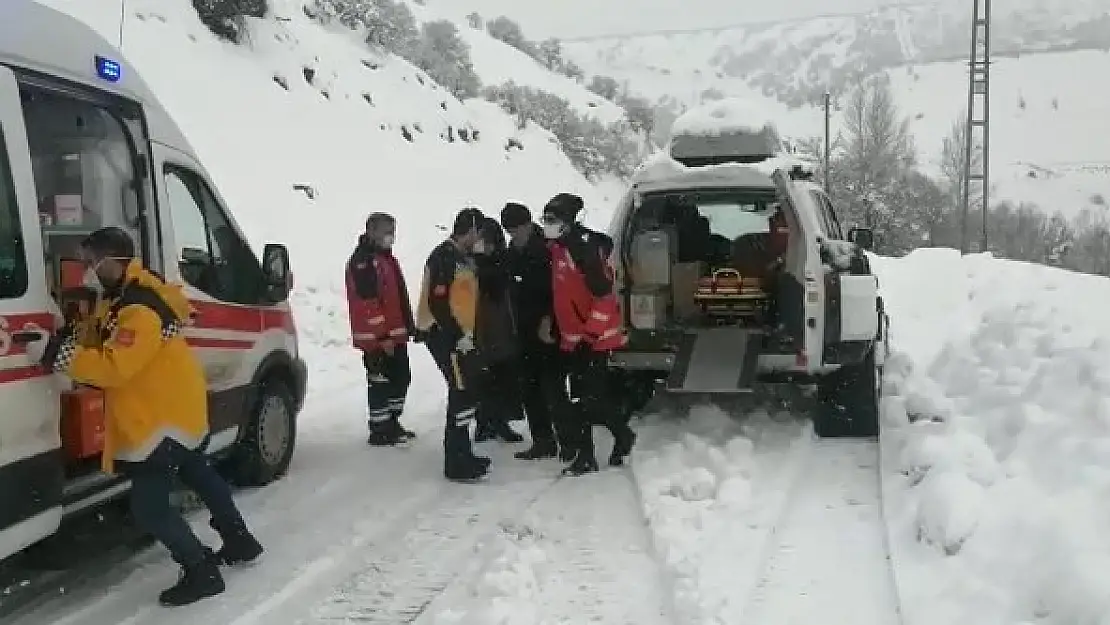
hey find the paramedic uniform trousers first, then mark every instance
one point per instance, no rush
(460, 371)
(590, 381)
(545, 394)
(387, 384)
(152, 481)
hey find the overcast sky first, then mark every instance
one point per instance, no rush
(568, 18)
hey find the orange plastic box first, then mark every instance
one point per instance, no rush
(82, 423)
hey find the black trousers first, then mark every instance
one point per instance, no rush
(543, 372)
(152, 481)
(388, 377)
(462, 372)
(597, 405)
(500, 401)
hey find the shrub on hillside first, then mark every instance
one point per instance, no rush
(592, 147)
(385, 24)
(446, 59)
(605, 87)
(226, 18)
(506, 30)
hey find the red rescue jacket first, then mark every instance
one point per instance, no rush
(377, 299)
(586, 307)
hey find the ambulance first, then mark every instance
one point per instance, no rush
(85, 144)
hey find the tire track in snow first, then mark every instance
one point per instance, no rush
(601, 561)
(829, 560)
(411, 571)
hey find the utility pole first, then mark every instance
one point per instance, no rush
(828, 161)
(978, 118)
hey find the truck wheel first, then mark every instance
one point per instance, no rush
(848, 401)
(264, 453)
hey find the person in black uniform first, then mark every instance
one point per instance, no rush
(542, 371)
(446, 320)
(498, 344)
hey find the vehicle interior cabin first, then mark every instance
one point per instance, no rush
(711, 258)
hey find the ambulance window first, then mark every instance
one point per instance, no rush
(83, 164)
(210, 255)
(13, 260)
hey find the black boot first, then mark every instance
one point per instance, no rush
(197, 582)
(584, 462)
(539, 450)
(623, 440)
(402, 431)
(507, 434)
(463, 469)
(484, 432)
(566, 452)
(385, 438)
(240, 546)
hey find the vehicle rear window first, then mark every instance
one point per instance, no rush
(13, 256)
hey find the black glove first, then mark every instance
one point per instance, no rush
(374, 361)
(419, 336)
(54, 346)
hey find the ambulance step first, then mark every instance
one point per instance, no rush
(716, 360)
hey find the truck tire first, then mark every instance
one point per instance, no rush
(848, 401)
(265, 451)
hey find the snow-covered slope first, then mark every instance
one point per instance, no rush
(498, 63)
(996, 442)
(1046, 118)
(259, 140)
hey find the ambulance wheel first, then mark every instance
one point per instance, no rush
(848, 401)
(264, 453)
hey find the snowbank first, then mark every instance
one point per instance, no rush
(709, 487)
(262, 124)
(996, 440)
(730, 115)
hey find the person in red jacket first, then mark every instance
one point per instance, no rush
(590, 327)
(381, 324)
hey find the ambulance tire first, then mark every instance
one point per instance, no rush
(848, 401)
(265, 451)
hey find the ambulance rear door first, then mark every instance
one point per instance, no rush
(31, 471)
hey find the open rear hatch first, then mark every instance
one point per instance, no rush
(716, 360)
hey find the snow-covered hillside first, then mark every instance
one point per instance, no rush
(340, 133)
(1047, 119)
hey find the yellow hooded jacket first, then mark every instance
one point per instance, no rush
(133, 349)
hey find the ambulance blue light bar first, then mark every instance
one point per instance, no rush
(108, 70)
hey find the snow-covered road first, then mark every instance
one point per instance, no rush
(377, 536)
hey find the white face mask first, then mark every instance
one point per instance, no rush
(92, 281)
(479, 248)
(552, 230)
(387, 241)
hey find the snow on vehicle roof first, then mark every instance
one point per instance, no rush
(660, 171)
(41, 39)
(727, 116)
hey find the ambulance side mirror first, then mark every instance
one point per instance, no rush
(277, 272)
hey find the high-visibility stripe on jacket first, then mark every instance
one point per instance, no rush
(586, 307)
(448, 292)
(377, 299)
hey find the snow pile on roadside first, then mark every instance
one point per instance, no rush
(730, 115)
(708, 485)
(996, 440)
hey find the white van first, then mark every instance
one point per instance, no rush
(84, 144)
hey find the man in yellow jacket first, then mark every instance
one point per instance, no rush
(156, 404)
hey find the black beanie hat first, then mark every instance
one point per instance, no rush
(515, 215)
(564, 206)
